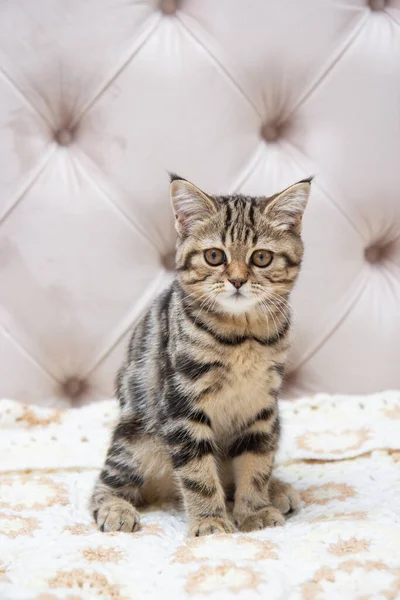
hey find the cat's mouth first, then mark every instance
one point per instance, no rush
(239, 295)
(236, 302)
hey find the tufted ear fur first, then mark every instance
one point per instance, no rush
(190, 205)
(286, 208)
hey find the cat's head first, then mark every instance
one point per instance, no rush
(237, 252)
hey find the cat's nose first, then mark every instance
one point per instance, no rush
(237, 283)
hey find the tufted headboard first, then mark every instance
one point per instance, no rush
(99, 98)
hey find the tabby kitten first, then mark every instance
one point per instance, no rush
(198, 390)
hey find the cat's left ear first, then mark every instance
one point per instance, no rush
(190, 205)
(286, 209)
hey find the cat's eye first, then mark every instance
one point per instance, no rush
(261, 258)
(214, 256)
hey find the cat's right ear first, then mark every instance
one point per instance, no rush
(190, 205)
(286, 208)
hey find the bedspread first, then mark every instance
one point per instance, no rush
(342, 453)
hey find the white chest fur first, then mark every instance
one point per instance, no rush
(245, 388)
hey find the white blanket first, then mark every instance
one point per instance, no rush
(341, 453)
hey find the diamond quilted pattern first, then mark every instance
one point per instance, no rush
(23, 147)
(98, 99)
(376, 292)
(73, 269)
(274, 56)
(203, 145)
(348, 106)
(22, 376)
(66, 52)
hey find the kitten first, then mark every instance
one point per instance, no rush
(198, 390)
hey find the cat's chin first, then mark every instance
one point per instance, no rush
(236, 304)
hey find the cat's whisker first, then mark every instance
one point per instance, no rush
(273, 317)
(280, 299)
(203, 305)
(268, 317)
(196, 298)
(271, 314)
(282, 310)
(267, 313)
(278, 303)
(285, 316)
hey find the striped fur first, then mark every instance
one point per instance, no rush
(198, 390)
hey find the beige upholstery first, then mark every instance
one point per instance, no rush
(99, 98)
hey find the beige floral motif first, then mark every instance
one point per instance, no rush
(102, 554)
(341, 516)
(223, 577)
(29, 417)
(393, 413)
(78, 578)
(224, 547)
(13, 526)
(322, 494)
(79, 529)
(84, 529)
(3, 571)
(53, 597)
(151, 529)
(370, 565)
(329, 583)
(350, 546)
(323, 442)
(312, 588)
(395, 455)
(26, 491)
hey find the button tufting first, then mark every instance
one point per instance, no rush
(73, 387)
(377, 4)
(168, 261)
(169, 7)
(374, 254)
(63, 137)
(269, 132)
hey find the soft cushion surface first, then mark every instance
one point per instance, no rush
(342, 454)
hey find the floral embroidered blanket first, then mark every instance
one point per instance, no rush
(341, 452)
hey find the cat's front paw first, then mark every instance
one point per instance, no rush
(211, 525)
(266, 517)
(117, 515)
(283, 496)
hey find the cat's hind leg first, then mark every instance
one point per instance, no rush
(134, 472)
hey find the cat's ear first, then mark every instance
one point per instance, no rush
(190, 204)
(286, 208)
